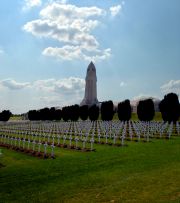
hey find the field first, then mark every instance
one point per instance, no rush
(139, 172)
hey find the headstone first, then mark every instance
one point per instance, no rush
(84, 142)
(52, 151)
(99, 137)
(58, 139)
(114, 140)
(24, 140)
(70, 140)
(39, 147)
(34, 144)
(76, 140)
(29, 141)
(45, 149)
(64, 139)
(92, 141)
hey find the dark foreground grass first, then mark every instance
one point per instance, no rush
(140, 172)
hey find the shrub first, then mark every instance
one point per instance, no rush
(170, 108)
(74, 112)
(5, 115)
(124, 110)
(83, 112)
(145, 110)
(107, 111)
(93, 113)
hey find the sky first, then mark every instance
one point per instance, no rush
(46, 46)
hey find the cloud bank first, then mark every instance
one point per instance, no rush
(13, 85)
(66, 85)
(171, 86)
(28, 4)
(49, 92)
(71, 26)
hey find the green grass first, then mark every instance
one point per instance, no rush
(140, 172)
(15, 118)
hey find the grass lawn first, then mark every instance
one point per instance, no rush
(140, 172)
(15, 118)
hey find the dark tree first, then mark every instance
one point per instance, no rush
(32, 115)
(52, 111)
(58, 114)
(66, 113)
(83, 112)
(74, 112)
(145, 110)
(163, 106)
(107, 111)
(170, 108)
(93, 113)
(124, 110)
(5, 115)
(44, 114)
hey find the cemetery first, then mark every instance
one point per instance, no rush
(53, 161)
(92, 152)
(89, 101)
(40, 138)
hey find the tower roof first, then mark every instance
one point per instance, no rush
(91, 66)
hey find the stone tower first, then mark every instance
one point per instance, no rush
(90, 96)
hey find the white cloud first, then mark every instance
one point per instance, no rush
(144, 96)
(99, 55)
(76, 52)
(62, 92)
(1, 51)
(58, 11)
(71, 26)
(13, 85)
(44, 85)
(171, 86)
(49, 101)
(28, 4)
(122, 84)
(58, 1)
(41, 93)
(65, 53)
(71, 85)
(115, 10)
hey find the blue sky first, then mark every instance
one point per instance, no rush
(46, 46)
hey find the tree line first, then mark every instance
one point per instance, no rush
(5, 115)
(169, 108)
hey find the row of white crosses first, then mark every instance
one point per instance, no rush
(101, 133)
(153, 129)
(87, 131)
(65, 134)
(62, 131)
(145, 130)
(26, 144)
